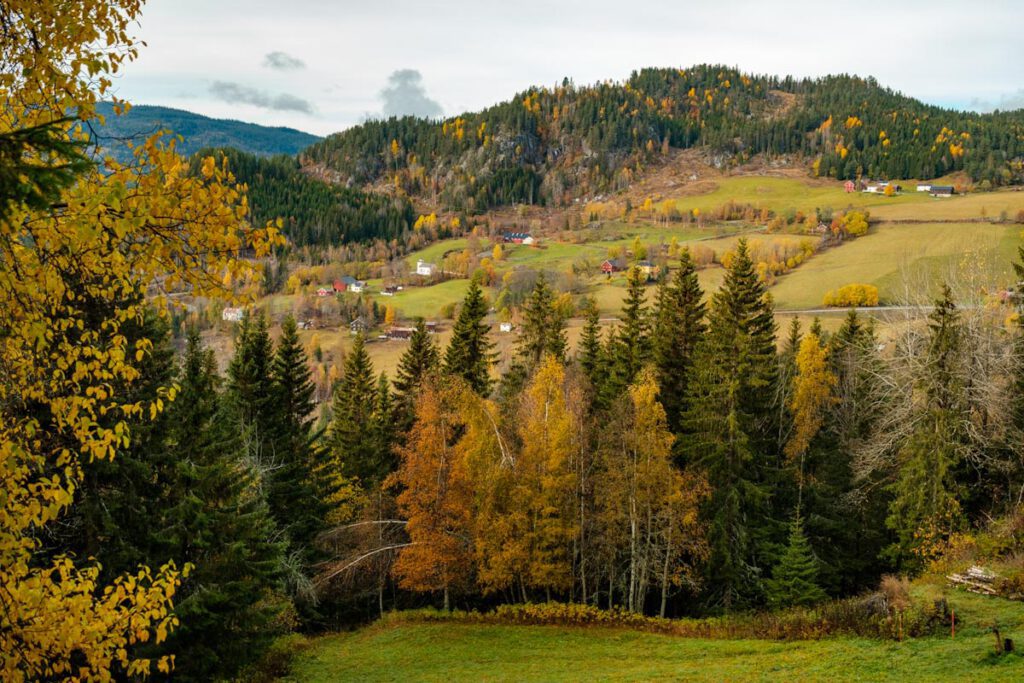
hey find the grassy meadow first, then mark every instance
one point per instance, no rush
(892, 256)
(401, 650)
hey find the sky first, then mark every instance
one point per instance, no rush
(322, 66)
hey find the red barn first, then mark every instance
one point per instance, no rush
(849, 186)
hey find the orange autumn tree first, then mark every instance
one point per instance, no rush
(76, 246)
(436, 497)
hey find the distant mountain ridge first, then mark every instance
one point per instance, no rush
(197, 131)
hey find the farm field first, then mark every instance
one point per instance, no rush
(397, 651)
(779, 194)
(891, 254)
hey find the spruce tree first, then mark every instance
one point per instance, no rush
(119, 498)
(630, 346)
(293, 495)
(470, 351)
(352, 428)
(230, 605)
(795, 578)
(678, 328)
(384, 432)
(727, 432)
(926, 508)
(847, 538)
(418, 362)
(250, 383)
(590, 353)
(543, 328)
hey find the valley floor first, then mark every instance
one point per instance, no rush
(472, 652)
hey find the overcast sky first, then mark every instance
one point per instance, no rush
(321, 65)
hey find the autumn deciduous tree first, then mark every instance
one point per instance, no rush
(435, 498)
(812, 397)
(648, 508)
(544, 483)
(70, 234)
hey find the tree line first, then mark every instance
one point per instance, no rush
(314, 212)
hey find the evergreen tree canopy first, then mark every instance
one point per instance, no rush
(543, 329)
(727, 431)
(470, 351)
(352, 430)
(678, 328)
(794, 580)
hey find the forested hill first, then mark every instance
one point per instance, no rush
(314, 212)
(553, 144)
(197, 131)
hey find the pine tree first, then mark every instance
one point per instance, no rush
(794, 580)
(630, 346)
(543, 328)
(678, 328)
(727, 431)
(352, 428)
(293, 494)
(470, 351)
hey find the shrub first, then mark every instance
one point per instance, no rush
(852, 295)
(896, 590)
(277, 659)
(871, 616)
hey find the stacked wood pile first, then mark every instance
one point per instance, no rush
(976, 580)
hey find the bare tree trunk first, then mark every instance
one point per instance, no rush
(664, 571)
(611, 587)
(447, 603)
(380, 537)
(630, 602)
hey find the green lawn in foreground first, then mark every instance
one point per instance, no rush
(466, 652)
(925, 253)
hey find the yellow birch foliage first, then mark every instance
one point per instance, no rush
(812, 394)
(68, 279)
(545, 480)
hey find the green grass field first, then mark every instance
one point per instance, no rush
(892, 255)
(780, 194)
(400, 651)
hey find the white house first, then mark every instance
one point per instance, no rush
(924, 188)
(232, 315)
(424, 268)
(357, 286)
(505, 327)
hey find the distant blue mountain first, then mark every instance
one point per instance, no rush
(197, 131)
